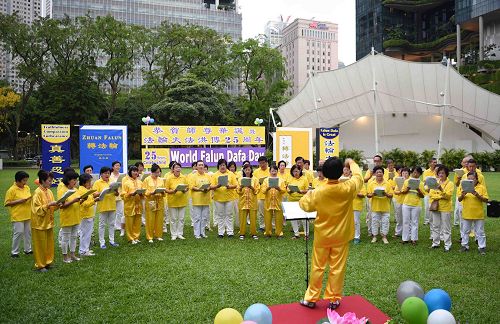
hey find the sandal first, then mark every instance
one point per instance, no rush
(307, 303)
(333, 305)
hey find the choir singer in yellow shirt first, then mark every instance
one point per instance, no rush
(333, 229)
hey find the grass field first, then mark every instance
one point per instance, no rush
(190, 281)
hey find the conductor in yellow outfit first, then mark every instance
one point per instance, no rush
(333, 229)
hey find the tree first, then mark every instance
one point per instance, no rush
(115, 50)
(28, 49)
(191, 102)
(8, 100)
(261, 69)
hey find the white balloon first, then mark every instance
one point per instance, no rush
(441, 316)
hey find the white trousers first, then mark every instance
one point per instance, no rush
(236, 213)
(107, 218)
(296, 226)
(441, 222)
(369, 217)
(143, 212)
(398, 216)
(478, 226)
(380, 222)
(357, 228)
(69, 237)
(119, 216)
(190, 205)
(260, 213)
(166, 218)
(457, 214)
(177, 221)
(86, 229)
(427, 213)
(200, 219)
(410, 222)
(224, 217)
(21, 230)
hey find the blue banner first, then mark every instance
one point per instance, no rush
(101, 145)
(56, 153)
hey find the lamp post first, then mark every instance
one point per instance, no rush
(443, 94)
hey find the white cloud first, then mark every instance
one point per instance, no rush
(256, 13)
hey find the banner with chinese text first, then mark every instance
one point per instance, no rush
(202, 135)
(290, 143)
(101, 145)
(327, 142)
(56, 154)
(186, 156)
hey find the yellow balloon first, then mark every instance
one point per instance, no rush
(228, 316)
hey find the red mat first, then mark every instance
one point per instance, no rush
(297, 314)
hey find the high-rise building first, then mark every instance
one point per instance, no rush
(28, 11)
(308, 46)
(425, 31)
(274, 32)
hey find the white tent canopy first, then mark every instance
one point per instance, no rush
(400, 87)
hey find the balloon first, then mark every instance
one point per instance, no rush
(228, 316)
(144, 120)
(261, 121)
(259, 313)
(441, 316)
(409, 289)
(148, 119)
(151, 120)
(414, 311)
(437, 299)
(249, 322)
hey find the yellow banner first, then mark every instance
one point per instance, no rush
(327, 142)
(293, 142)
(55, 133)
(202, 135)
(160, 156)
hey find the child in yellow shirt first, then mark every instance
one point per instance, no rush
(18, 200)
(473, 213)
(380, 205)
(87, 213)
(70, 218)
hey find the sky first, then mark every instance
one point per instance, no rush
(256, 13)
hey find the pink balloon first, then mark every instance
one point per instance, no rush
(249, 322)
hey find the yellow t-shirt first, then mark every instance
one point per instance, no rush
(261, 175)
(302, 183)
(223, 194)
(200, 198)
(334, 223)
(87, 207)
(370, 177)
(411, 197)
(109, 201)
(132, 205)
(178, 199)
(318, 183)
(429, 173)
(42, 216)
(274, 197)
(444, 196)
(359, 202)
(400, 198)
(248, 196)
(70, 215)
(154, 201)
(114, 178)
(380, 204)
(472, 207)
(309, 175)
(22, 211)
(480, 178)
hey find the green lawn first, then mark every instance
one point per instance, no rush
(190, 281)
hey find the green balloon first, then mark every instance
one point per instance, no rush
(414, 310)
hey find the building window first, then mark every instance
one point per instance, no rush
(328, 53)
(313, 59)
(307, 59)
(307, 51)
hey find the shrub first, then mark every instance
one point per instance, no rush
(452, 158)
(356, 155)
(425, 157)
(411, 158)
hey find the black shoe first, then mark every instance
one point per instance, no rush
(221, 236)
(14, 255)
(307, 304)
(28, 253)
(334, 305)
(482, 251)
(230, 236)
(464, 249)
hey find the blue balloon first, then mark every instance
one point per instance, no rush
(437, 299)
(259, 313)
